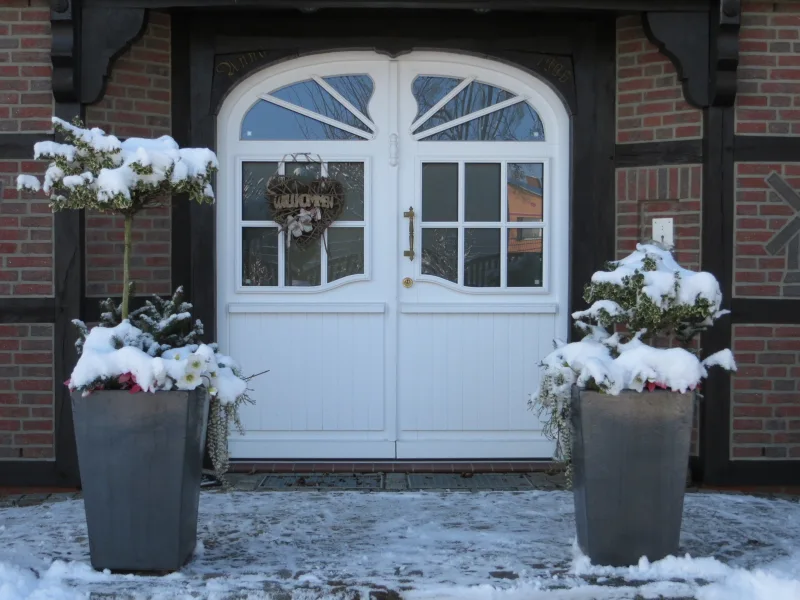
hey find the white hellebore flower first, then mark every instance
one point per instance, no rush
(298, 226)
(197, 363)
(189, 381)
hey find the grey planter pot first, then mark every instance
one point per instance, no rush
(140, 458)
(630, 457)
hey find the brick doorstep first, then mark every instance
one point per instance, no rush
(390, 467)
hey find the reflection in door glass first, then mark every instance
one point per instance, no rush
(312, 96)
(429, 90)
(351, 175)
(525, 192)
(254, 183)
(439, 192)
(440, 253)
(516, 123)
(525, 267)
(268, 121)
(476, 96)
(305, 172)
(259, 256)
(303, 266)
(482, 257)
(356, 88)
(482, 192)
(345, 252)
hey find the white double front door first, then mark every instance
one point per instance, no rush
(414, 327)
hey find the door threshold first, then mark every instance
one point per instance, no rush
(395, 466)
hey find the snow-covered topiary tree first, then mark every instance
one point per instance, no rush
(98, 171)
(648, 295)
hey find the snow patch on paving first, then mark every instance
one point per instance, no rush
(434, 545)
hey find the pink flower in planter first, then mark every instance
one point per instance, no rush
(126, 378)
(136, 388)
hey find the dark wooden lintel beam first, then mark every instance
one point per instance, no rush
(763, 148)
(518, 5)
(655, 154)
(19, 146)
(765, 310)
(27, 310)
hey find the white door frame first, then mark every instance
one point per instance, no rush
(379, 154)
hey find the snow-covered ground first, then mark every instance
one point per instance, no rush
(470, 546)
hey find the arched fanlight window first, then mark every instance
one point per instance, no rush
(456, 110)
(320, 108)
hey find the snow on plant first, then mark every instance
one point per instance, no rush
(648, 294)
(158, 348)
(98, 171)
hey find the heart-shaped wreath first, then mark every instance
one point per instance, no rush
(304, 210)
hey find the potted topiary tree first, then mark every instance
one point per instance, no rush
(141, 387)
(621, 410)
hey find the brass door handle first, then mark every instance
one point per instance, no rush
(409, 214)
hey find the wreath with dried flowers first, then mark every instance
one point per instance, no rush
(303, 211)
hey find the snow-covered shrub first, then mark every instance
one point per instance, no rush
(156, 347)
(98, 171)
(648, 294)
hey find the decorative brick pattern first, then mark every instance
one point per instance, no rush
(26, 235)
(768, 102)
(26, 101)
(26, 391)
(137, 103)
(767, 237)
(765, 403)
(650, 104)
(646, 193)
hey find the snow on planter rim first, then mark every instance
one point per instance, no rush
(182, 368)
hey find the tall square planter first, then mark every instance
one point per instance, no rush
(630, 457)
(140, 458)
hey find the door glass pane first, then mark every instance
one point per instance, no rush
(482, 257)
(345, 252)
(440, 192)
(482, 192)
(474, 97)
(303, 267)
(312, 96)
(516, 123)
(356, 88)
(429, 90)
(440, 253)
(351, 175)
(525, 192)
(254, 184)
(267, 121)
(525, 257)
(305, 172)
(260, 256)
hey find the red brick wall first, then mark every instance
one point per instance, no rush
(26, 103)
(650, 104)
(26, 391)
(761, 214)
(137, 103)
(765, 408)
(647, 193)
(26, 235)
(768, 102)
